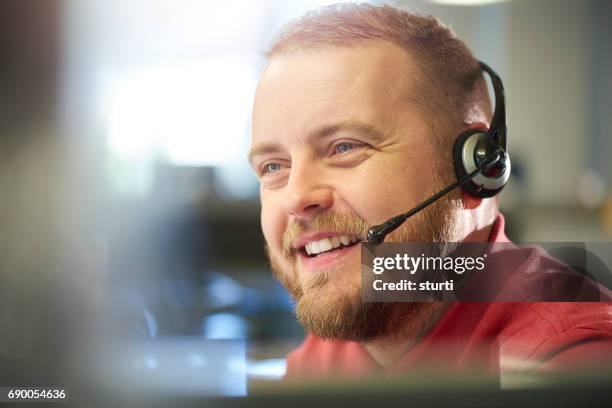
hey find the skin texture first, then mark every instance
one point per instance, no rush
(338, 144)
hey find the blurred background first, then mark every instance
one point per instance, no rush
(129, 214)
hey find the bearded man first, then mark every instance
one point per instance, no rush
(354, 121)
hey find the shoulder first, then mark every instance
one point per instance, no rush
(567, 315)
(551, 332)
(506, 319)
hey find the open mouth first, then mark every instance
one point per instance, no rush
(326, 245)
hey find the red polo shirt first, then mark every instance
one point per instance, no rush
(493, 338)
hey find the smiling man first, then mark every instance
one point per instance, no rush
(354, 121)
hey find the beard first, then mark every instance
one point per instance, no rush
(329, 304)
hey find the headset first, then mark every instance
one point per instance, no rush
(481, 162)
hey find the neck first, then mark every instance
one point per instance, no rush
(387, 350)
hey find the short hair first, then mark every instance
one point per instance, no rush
(452, 89)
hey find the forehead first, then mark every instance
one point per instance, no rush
(302, 90)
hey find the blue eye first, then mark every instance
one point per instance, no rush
(271, 167)
(343, 147)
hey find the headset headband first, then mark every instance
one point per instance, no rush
(497, 130)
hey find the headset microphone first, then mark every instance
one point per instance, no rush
(482, 165)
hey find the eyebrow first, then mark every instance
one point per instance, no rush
(320, 133)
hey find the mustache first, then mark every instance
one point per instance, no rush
(336, 222)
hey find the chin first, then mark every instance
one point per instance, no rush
(335, 311)
(340, 280)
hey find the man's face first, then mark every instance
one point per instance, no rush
(338, 145)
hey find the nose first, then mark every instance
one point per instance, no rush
(306, 194)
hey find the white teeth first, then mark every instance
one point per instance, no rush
(326, 244)
(335, 241)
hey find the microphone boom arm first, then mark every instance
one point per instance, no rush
(377, 233)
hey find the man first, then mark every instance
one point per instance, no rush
(354, 122)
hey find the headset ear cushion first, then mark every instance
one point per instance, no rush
(464, 162)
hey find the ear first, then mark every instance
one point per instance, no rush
(469, 201)
(476, 125)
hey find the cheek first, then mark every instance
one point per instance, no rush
(371, 193)
(272, 222)
(382, 190)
